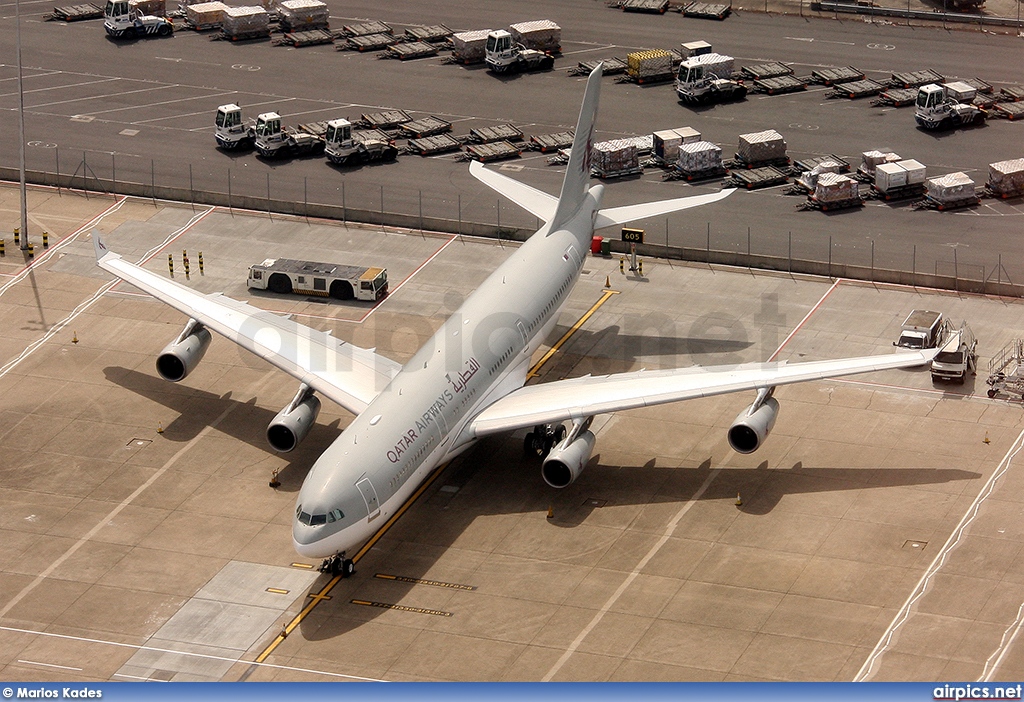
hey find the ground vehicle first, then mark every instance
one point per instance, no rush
(958, 357)
(272, 141)
(922, 329)
(122, 20)
(506, 56)
(707, 78)
(342, 149)
(946, 106)
(231, 131)
(285, 275)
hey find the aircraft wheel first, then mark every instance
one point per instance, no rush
(533, 445)
(991, 392)
(560, 432)
(347, 567)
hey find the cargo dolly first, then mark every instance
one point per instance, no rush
(761, 71)
(433, 145)
(310, 37)
(546, 143)
(388, 119)
(738, 162)
(755, 178)
(367, 42)
(495, 151)
(432, 34)
(1008, 110)
(856, 90)
(693, 176)
(835, 76)
(1014, 93)
(779, 85)
(365, 29)
(657, 7)
(707, 10)
(75, 13)
(487, 135)
(609, 67)
(1006, 370)
(895, 97)
(901, 193)
(428, 126)
(409, 51)
(929, 203)
(915, 79)
(813, 203)
(809, 164)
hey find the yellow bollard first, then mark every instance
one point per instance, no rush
(622, 265)
(640, 268)
(170, 265)
(31, 250)
(186, 270)
(201, 263)
(46, 240)
(3, 252)
(17, 236)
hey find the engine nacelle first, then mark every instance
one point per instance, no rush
(289, 428)
(750, 429)
(565, 462)
(179, 358)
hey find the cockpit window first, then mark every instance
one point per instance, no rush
(305, 518)
(335, 515)
(318, 520)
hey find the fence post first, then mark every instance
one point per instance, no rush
(708, 250)
(229, 194)
(499, 220)
(999, 270)
(460, 216)
(829, 255)
(913, 268)
(420, 194)
(113, 174)
(872, 260)
(956, 273)
(152, 180)
(85, 183)
(56, 155)
(305, 200)
(191, 189)
(791, 253)
(268, 197)
(382, 207)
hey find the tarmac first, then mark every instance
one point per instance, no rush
(876, 535)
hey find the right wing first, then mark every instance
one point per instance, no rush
(578, 398)
(349, 375)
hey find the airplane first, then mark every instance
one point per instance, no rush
(469, 380)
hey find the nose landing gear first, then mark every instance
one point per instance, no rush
(338, 565)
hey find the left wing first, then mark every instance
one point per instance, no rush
(578, 398)
(536, 202)
(349, 375)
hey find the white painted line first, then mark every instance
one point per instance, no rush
(185, 653)
(1004, 646)
(137, 677)
(61, 87)
(99, 97)
(49, 665)
(869, 669)
(164, 102)
(34, 75)
(669, 529)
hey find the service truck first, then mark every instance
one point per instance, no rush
(506, 56)
(958, 357)
(122, 19)
(707, 78)
(231, 131)
(923, 329)
(273, 141)
(947, 106)
(285, 275)
(345, 150)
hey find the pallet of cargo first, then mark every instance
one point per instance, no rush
(707, 10)
(755, 178)
(1014, 93)
(310, 37)
(409, 51)
(657, 7)
(609, 67)
(900, 193)
(979, 85)
(432, 34)
(224, 35)
(809, 164)
(367, 42)
(621, 173)
(388, 119)
(772, 69)
(75, 13)
(501, 132)
(915, 79)
(835, 76)
(365, 29)
(895, 97)
(429, 146)
(779, 85)
(495, 151)
(546, 143)
(692, 176)
(812, 203)
(856, 90)
(1008, 110)
(428, 126)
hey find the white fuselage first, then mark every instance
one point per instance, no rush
(481, 353)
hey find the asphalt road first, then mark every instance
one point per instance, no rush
(142, 111)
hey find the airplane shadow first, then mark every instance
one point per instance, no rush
(196, 409)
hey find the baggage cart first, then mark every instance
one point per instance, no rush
(429, 146)
(835, 76)
(761, 71)
(856, 90)
(754, 178)
(428, 126)
(707, 10)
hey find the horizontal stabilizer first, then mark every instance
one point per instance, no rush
(630, 213)
(534, 201)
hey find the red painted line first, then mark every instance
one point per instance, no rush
(406, 279)
(806, 317)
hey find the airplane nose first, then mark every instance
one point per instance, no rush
(304, 535)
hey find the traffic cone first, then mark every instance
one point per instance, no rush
(74, 337)
(739, 500)
(160, 428)
(551, 512)
(607, 281)
(986, 439)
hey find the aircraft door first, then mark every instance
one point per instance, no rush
(369, 497)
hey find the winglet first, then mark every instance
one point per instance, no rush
(99, 248)
(577, 174)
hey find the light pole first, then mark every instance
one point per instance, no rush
(21, 130)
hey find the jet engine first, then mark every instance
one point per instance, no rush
(181, 356)
(291, 424)
(565, 462)
(753, 425)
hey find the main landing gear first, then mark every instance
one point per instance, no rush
(539, 441)
(338, 565)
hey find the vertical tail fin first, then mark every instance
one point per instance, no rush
(577, 175)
